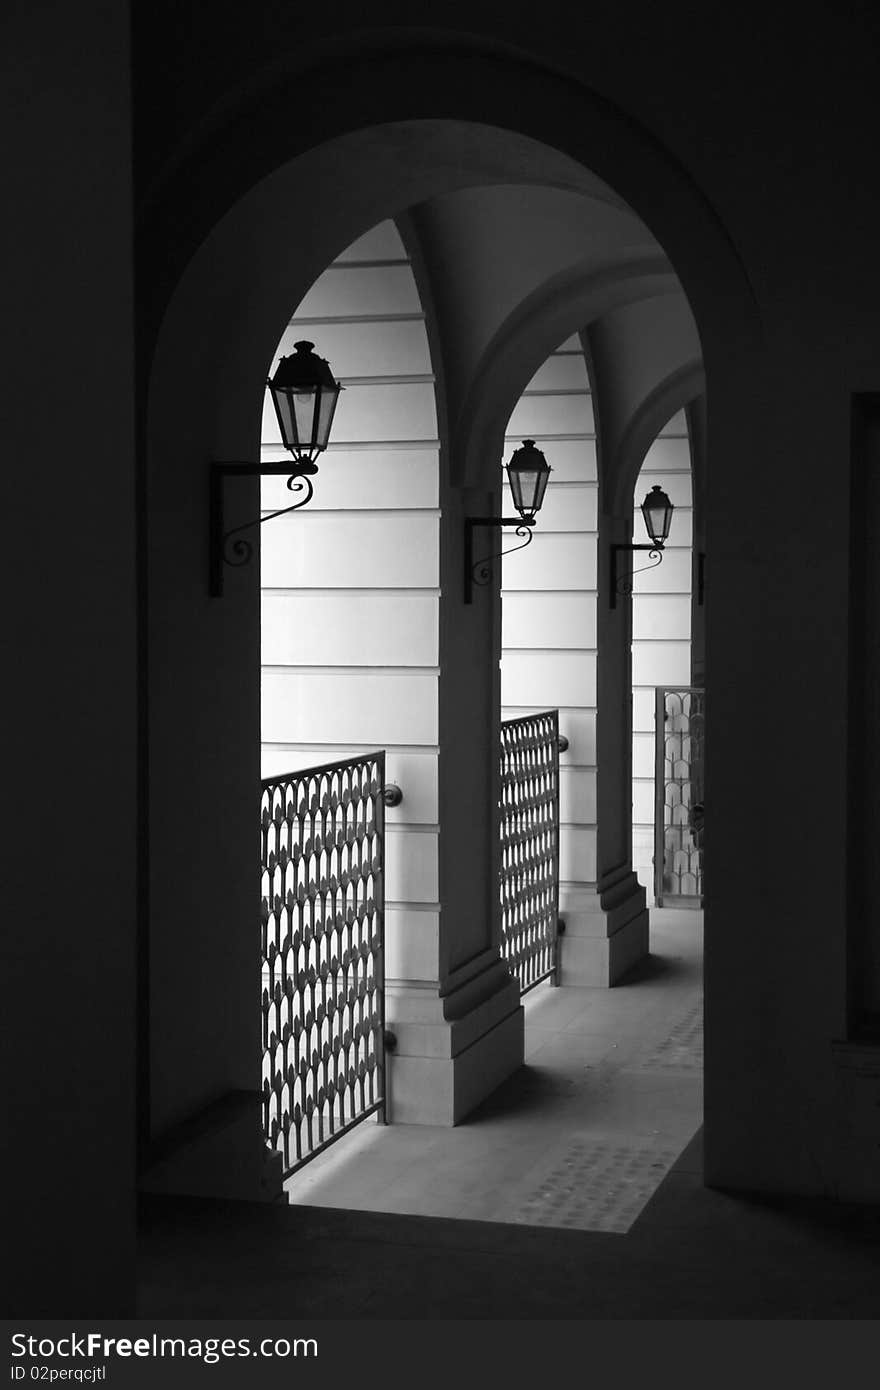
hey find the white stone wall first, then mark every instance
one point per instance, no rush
(549, 604)
(350, 584)
(549, 594)
(661, 616)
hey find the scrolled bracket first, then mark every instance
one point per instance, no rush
(229, 546)
(623, 584)
(480, 572)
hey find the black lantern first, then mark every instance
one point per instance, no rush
(657, 511)
(304, 393)
(527, 474)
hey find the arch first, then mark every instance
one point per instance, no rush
(351, 585)
(549, 642)
(662, 626)
(562, 306)
(682, 387)
(224, 250)
(402, 89)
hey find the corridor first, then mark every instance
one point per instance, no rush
(580, 1138)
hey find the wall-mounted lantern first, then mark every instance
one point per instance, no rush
(657, 512)
(304, 393)
(527, 473)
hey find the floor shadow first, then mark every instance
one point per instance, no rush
(529, 1089)
(652, 967)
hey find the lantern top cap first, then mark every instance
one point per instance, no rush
(303, 370)
(528, 456)
(657, 498)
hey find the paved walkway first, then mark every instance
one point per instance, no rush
(580, 1139)
(551, 1177)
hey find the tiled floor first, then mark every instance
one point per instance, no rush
(553, 1169)
(580, 1138)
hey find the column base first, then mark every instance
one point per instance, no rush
(452, 1051)
(220, 1152)
(606, 931)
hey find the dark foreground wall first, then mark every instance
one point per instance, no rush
(66, 442)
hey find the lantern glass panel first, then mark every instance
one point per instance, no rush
(540, 488)
(326, 411)
(304, 403)
(281, 401)
(523, 486)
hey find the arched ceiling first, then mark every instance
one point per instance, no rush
(509, 271)
(646, 365)
(519, 247)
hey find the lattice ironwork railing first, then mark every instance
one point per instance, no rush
(530, 846)
(322, 858)
(679, 799)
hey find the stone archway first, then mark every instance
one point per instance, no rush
(213, 326)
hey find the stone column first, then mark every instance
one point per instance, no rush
(459, 1029)
(606, 927)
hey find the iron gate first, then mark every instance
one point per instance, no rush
(679, 798)
(530, 846)
(322, 860)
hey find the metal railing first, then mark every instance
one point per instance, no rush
(680, 720)
(322, 861)
(530, 846)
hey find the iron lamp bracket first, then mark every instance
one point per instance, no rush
(623, 583)
(479, 572)
(229, 546)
